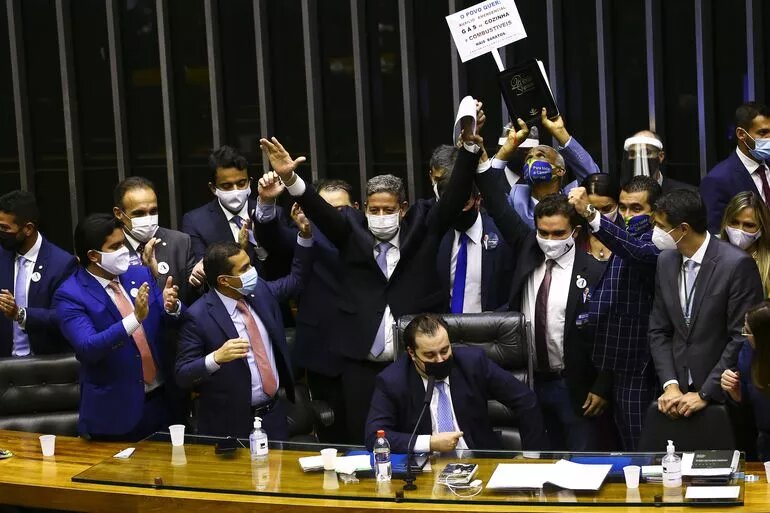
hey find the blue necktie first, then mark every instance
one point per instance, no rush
(382, 262)
(20, 337)
(461, 270)
(444, 415)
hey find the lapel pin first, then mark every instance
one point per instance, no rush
(35, 277)
(134, 292)
(164, 244)
(133, 282)
(581, 282)
(40, 266)
(162, 267)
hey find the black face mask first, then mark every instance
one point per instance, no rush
(439, 370)
(465, 220)
(10, 241)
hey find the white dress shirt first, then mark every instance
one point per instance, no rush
(29, 264)
(753, 168)
(472, 297)
(561, 281)
(697, 257)
(422, 442)
(258, 396)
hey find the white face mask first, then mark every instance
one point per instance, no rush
(554, 248)
(663, 239)
(384, 227)
(115, 262)
(612, 216)
(740, 238)
(233, 200)
(144, 228)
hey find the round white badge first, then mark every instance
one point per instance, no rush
(162, 267)
(581, 282)
(35, 277)
(134, 292)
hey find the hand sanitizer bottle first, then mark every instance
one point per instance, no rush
(258, 441)
(672, 468)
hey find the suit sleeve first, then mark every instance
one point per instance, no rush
(625, 245)
(329, 220)
(457, 192)
(90, 345)
(191, 356)
(292, 284)
(578, 160)
(715, 202)
(198, 245)
(514, 394)
(745, 292)
(383, 414)
(513, 229)
(43, 319)
(659, 335)
(186, 291)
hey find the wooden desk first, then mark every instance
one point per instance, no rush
(28, 479)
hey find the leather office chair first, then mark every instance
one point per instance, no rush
(710, 428)
(40, 394)
(503, 337)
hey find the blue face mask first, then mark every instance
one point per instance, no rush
(761, 150)
(248, 282)
(638, 224)
(537, 171)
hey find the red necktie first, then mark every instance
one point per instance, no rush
(269, 385)
(762, 170)
(126, 308)
(541, 319)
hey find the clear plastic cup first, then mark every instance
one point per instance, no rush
(329, 458)
(177, 434)
(48, 444)
(767, 471)
(632, 475)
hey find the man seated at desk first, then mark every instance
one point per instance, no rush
(465, 379)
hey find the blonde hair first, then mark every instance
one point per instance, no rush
(761, 255)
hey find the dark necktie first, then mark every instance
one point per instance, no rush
(762, 171)
(541, 319)
(461, 270)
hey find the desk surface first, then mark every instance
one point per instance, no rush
(30, 480)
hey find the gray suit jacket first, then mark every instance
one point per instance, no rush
(728, 284)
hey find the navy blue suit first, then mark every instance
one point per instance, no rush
(724, 181)
(112, 394)
(497, 264)
(225, 396)
(42, 325)
(474, 379)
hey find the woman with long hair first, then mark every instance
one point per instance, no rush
(750, 383)
(746, 224)
(603, 192)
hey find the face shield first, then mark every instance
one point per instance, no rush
(641, 157)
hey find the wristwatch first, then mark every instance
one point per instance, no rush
(21, 315)
(589, 212)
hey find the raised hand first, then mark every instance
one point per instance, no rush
(170, 296)
(578, 197)
(243, 234)
(481, 118)
(555, 127)
(270, 186)
(301, 221)
(513, 140)
(141, 302)
(279, 158)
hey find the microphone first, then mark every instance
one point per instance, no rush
(409, 479)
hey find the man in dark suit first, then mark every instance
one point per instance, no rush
(746, 169)
(474, 262)
(465, 379)
(644, 156)
(31, 269)
(620, 304)
(388, 263)
(232, 346)
(228, 217)
(703, 288)
(112, 313)
(551, 284)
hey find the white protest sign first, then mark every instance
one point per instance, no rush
(485, 27)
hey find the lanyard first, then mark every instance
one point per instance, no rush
(688, 295)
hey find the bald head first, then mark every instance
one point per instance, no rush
(545, 152)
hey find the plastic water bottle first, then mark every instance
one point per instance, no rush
(382, 466)
(258, 441)
(672, 468)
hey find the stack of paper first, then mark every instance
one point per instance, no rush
(343, 464)
(563, 473)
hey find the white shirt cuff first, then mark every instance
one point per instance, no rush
(297, 188)
(305, 243)
(211, 365)
(566, 144)
(422, 443)
(265, 211)
(484, 166)
(596, 223)
(177, 310)
(669, 382)
(499, 164)
(471, 147)
(131, 324)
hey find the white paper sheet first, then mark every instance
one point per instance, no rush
(712, 492)
(467, 108)
(343, 464)
(563, 473)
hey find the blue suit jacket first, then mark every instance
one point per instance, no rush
(497, 264)
(474, 379)
(54, 265)
(724, 181)
(111, 380)
(225, 396)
